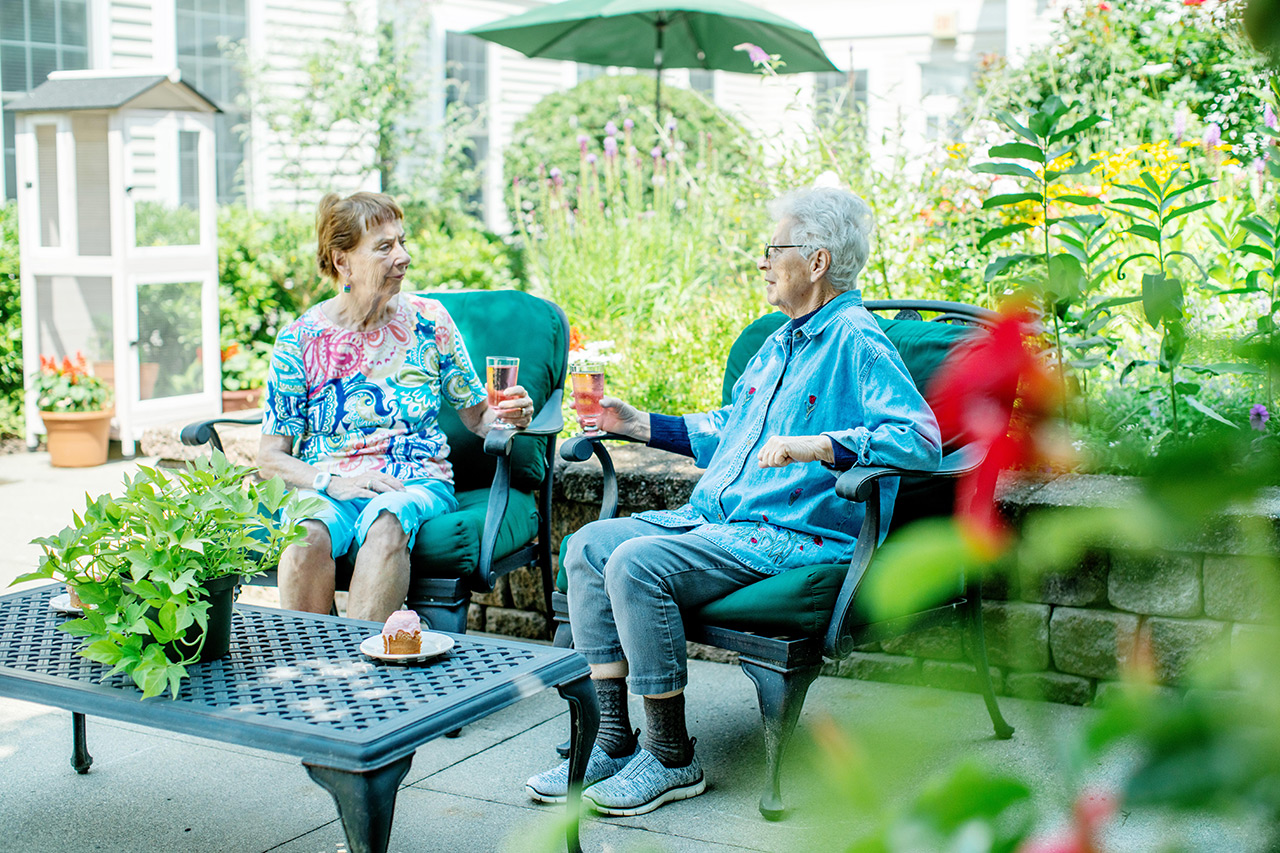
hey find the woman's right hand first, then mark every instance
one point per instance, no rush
(623, 419)
(362, 486)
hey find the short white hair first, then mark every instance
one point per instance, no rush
(833, 219)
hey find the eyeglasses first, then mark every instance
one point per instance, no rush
(768, 250)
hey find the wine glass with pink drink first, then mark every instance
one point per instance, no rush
(501, 372)
(588, 387)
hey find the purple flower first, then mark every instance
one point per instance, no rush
(556, 178)
(591, 159)
(610, 147)
(583, 139)
(1212, 136)
(1258, 417)
(611, 129)
(656, 153)
(628, 124)
(1259, 165)
(1179, 125)
(755, 53)
(671, 125)
(1269, 117)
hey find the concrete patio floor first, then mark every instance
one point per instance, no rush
(154, 791)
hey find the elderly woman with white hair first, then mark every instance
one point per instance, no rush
(826, 392)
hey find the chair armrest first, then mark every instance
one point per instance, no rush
(205, 432)
(855, 484)
(580, 448)
(549, 421)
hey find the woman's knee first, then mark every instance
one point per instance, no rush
(387, 532)
(313, 552)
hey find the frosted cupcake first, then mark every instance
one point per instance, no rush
(402, 635)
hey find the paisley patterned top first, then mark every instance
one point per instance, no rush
(363, 402)
(837, 375)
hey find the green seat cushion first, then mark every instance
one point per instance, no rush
(798, 601)
(505, 322)
(448, 545)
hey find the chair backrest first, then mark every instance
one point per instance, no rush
(923, 346)
(506, 322)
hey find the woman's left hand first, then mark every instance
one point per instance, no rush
(781, 450)
(516, 407)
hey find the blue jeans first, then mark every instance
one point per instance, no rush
(628, 581)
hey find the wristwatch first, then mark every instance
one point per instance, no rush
(322, 481)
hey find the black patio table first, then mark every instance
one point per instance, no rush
(296, 683)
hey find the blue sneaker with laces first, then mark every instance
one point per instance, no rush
(644, 784)
(552, 786)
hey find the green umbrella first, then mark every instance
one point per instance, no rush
(658, 34)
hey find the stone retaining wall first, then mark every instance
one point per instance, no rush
(1063, 636)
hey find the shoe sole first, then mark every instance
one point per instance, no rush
(673, 795)
(550, 799)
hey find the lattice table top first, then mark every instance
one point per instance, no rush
(300, 676)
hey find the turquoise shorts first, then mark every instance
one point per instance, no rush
(348, 521)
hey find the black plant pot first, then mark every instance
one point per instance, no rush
(221, 595)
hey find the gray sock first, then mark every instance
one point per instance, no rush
(616, 736)
(665, 734)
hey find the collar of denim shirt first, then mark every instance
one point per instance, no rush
(813, 323)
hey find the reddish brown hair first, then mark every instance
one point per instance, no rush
(341, 222)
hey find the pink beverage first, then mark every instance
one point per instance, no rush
(500, 373)
(588, 388)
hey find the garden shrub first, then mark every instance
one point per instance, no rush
(11, 420)
(550, 135)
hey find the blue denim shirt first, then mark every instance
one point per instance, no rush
(838, 376)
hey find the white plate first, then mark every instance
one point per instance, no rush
(62, 604)
(432, 645)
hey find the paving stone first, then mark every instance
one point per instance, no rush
(1049, 687)
(1080, 586)
(940, 642)
(1092, 643)
(1017, 634)
(1241, 589)
(876, 666)
(961, 677)
(1158, 584)
(1183, 648)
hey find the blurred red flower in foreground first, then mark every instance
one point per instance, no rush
(995, 391)
(1091, 811)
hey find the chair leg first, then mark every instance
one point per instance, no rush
(781, 693)
(563, 640)
(978, 652)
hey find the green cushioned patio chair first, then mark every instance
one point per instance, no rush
(503, 483)
(784, 627)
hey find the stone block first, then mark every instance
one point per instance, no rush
(240, 443)
(1155, 584)
(961, 677)
(875, 666)
(1241, 589)
(499, 596)
(1049, 687)
(698, 651)
(475, 617)
(1182, 648)
(1092, 643)
(1254, 653)
(1082, 585)
(1002, 583)
(1017, 634)
(515, 623)
(941, 642)
(526, 589)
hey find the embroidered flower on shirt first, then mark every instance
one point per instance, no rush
(809, 406)
(795, 495)
(751, 390)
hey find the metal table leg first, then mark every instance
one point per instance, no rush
(80, 757)
(366, 801)
(584, 722)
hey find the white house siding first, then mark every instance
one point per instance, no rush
(779, 109)
(281, 33)
(132, 38)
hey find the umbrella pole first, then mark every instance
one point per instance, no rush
(657, 64)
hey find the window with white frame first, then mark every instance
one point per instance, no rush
(204, 27)
(36, 37)
(466, 60)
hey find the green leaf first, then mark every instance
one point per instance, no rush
(1150, 181)
(1149, 232)
(1079, 127)
(999, 265)
(1246, 249)
(1191, 187)
(1003, 231)
(1207, 410)
(1066, 278)
(1161, 298)
(1086, 200)
(1010, 198)
(1191, 208)
(1133, 201)
(1259, 229)
(103, 651)
(1018, 151)
(1006, 169)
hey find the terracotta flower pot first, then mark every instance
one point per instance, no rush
(77, 439)
(238, 401)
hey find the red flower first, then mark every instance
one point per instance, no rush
(751, 391)
(1192, 2)
(974, 396)
(812, 399)
(753, 540)
(817, 540)
(1104, 7)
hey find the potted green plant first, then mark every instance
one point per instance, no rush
(156, 566)
(244, 373)
(76, 409)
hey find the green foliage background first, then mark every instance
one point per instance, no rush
(10, 323)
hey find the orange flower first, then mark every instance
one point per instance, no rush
(575, 340)
(230, 351)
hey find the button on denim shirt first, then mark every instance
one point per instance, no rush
(838, 375)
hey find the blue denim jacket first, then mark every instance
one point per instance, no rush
(838, 375)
